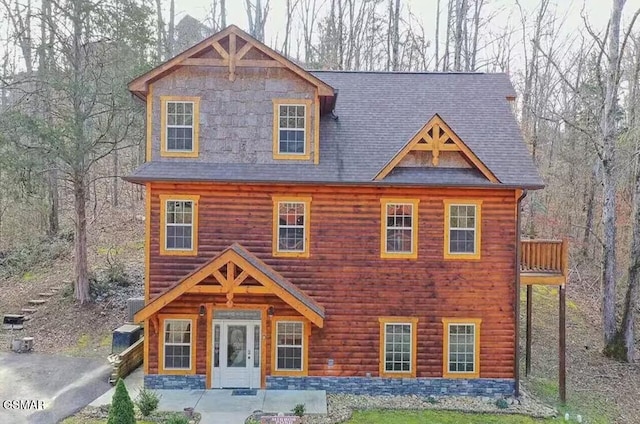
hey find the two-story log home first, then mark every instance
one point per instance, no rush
(349, 231)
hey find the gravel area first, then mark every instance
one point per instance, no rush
(340, 407)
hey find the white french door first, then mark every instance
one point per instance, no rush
(236, 354)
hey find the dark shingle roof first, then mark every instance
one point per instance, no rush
(378, 113)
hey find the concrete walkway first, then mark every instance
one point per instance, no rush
(58, 385)
(220, 407)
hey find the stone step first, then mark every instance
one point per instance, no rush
(46, 294)
(37, 301)
(29, 310)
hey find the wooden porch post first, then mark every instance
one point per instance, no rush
(562, 342)
(527, 369)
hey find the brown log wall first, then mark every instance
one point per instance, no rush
(346, 275)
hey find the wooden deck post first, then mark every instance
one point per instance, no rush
(562, 346)
(527, 367)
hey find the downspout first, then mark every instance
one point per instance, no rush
(516, 300)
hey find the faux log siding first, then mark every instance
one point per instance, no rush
(346, 275)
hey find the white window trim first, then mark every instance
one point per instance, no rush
(303, 130)
(411, 347)
(167, 224)
(387, 227)
(301, 346)
(193, 108)
(474, 229)
(190, 344)
(303, 227)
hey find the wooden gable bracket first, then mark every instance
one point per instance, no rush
(436, 137)
(231, 59)
(238, 269)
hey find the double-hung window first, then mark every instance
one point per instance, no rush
(180, 116)
(291, 226)
(177, 339)
(399, 232)
(462, 229)
(398, 340)
(461, 347)
(291, 126)
(290, 348)
(179, 226)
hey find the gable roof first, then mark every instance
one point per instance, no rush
(434, 136)
(139, 86)
(253, 267)
(378, 113)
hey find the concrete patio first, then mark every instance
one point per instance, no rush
(220, 406)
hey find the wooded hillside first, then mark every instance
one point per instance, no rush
(69, 129)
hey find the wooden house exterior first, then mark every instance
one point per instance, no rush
(354, 232)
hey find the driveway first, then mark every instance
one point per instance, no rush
(61, 384)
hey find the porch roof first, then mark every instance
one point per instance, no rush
(251, 266)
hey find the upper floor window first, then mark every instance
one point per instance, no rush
(291, 124)
(461, 347)
(398, 344)
(179, 225)
(399, 232)
(291, 226)
(179, 133)
(462, 229)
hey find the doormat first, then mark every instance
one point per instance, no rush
(244, 392)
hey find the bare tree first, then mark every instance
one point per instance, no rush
(257, 17)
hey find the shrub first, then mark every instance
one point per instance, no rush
(147, 401)
(298, 410)
(121, 411)
(502, 404)
(177, 419)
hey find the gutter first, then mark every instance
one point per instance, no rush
(516, 300)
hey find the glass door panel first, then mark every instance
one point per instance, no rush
(236, 346)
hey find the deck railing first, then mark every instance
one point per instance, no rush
(544, 258)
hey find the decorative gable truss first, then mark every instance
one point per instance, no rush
(237, 271)
(436, 137)
(230, 48)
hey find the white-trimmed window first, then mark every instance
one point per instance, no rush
(289, 346)
(462, 229)
(180, 124)
(398, 340)
(461, 347)
(291, 226)
(179, 225)
(177, 344)
(399, 228)
(292, 129)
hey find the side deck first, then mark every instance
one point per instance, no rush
(544, 262)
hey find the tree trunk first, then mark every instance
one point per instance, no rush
(437, 36)
(114, 181)
(223, 14)
(607, 125)
(81, 287)
(54, 202)
(159, 31)
(171, 36)
(395, 38)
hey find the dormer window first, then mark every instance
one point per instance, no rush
(180, 116)
(291, 123)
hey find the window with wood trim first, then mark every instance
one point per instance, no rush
(179, 225)
(462, 232)
(291, 226)
(398, 346)
(179, 122)
(177, 344)
(399, 228)
(461, 347)
(290, 347)
(291, 128)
